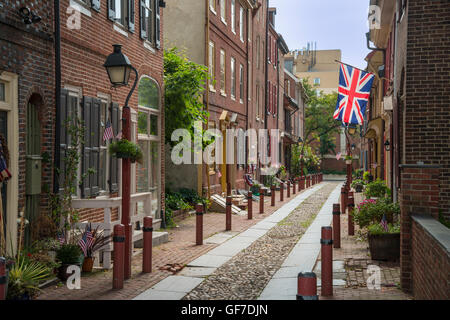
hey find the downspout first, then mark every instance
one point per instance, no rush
(57, 97)
(265, 64)
(205, 126)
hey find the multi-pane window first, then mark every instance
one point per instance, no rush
(258, 51)
(233, 78)
(233, 16)
(122, 11)
(94, 4)
(104, 155)
(249, 81)
(212, 64)
(150, 21)
(270, 49)
(222, 72)
(2, 92)
(241, 83)
(241, 23)
(223, 10)
(258, 109)
(317, 81)
(148, 173)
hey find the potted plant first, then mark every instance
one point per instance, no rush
(358, 185)
(384, 241)
(127, 150)
(24, 278)
(255, 189)
(90, 242)
(348, 159)
(69, 254)
(377, 189)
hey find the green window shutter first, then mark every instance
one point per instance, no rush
(87, 148)
(157, 25)
(114, 164)
(63, 138)
(111, 10)
(95, 147)
(131, 15)
(95, 4)
(143, 21)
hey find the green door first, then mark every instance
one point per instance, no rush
(33, 169)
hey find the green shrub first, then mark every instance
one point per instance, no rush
(358, 174)
(126, 149)
(371, 211)
(357, 182)
(377, 189)
(69, 254)
(366, 176)
(377, 228)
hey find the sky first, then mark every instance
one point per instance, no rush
(333, 24)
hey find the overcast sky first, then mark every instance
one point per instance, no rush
(333, 24)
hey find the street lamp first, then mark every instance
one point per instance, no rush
(118, 67)
(387, 145)
(353, 147)
(351, 129)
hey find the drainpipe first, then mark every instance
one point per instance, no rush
(205, 126)
(265, 65)
(57, 95)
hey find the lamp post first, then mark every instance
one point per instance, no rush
(300, 140)
(119, 68)
(351, 130)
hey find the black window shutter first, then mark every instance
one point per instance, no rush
(143, 21)
(157, 25)
(112, 10)
(114, 165)
(131, 15)
(86, 186)
(95, 4)
(63, 138)
(95, 147)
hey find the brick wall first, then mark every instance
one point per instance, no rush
(431, 264)
(27, 51)
(419, 193)
(427, 131)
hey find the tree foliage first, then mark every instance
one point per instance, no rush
(185, 83)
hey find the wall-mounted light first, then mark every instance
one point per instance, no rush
(353, 147)
(351, 129)
(29, 16)
(387, 145)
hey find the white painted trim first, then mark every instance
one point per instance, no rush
(117, 27)
(80, 6)
(11, 105)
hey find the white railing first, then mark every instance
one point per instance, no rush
(108, 224)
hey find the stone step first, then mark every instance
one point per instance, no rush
(158, 238)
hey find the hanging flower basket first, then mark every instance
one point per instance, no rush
(124, 149)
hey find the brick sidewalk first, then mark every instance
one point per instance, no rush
(180, 249)
(355, 253)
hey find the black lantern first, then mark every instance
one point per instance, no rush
(387, 145)
(351, 129)
(118, 67)
(353, 147)
(300, 140)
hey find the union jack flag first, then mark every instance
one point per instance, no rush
(353, 95)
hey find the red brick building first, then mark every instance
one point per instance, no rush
(26, 112)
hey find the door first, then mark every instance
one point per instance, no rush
(33, 169)
(4, 186)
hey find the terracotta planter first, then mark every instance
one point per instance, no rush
(384, 246)
(88, 264)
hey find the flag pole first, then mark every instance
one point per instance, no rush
(352, 66)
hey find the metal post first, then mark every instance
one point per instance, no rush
(343, 191)
(288, 195)
(293, 186)
(261, 200)
(307, 286)
(250, 205)
(119, 256)
(351, 207)
(2, 278)
(336, 226)
(199, 224)
(228, 214)
(148, 244)
(282, 192)
(327, 261)
(272, 193)
(228, 189)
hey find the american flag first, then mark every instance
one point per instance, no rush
(248, 180)
(354, 92)
(86, 241)
(338, 156)
(384, 223)
(108, 134)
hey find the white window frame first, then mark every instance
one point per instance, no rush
(223, 72)
(212, 6)
(241, 83)
(212, 65)
(233, 78)
(233, 16)
(223, 11)
(106, 98)
(241, 23)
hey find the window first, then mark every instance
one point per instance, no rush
(233, 16)
(249, 81)
(94, 4)
(150, 22)
(212, 64)
(148, 173)
(249, 24)
(241, 23)
(223, 12)
(258, 109)
(105, 158)
(122, 11)
(212, 6)
(233, 78)
(270, 49)
(2, 92)
(241, 83)
(222, 72)
(317, 81)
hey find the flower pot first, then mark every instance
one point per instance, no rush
(88, 264)
(62, 270)
(384, 246)
(348, 161)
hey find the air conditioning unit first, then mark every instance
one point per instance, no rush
(388, 103)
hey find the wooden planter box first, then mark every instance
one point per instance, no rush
(384, 246)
